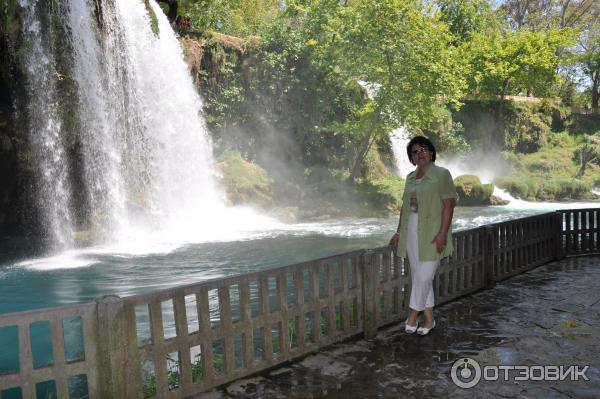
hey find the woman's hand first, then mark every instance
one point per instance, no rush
(440, 242)
(394, 240)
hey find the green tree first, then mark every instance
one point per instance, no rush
(589, 61)
(240, 18)
(465, 17)
(588, 152)
(547, 14)
(516, 61)
(405, 52)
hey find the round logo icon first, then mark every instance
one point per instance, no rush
(465, 372)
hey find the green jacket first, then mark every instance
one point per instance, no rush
(436, 185)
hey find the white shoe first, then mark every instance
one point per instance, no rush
(410, 329)
(425, 330)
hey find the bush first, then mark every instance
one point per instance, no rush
(526, 128)
(551, 163)
(562, 139)
(584, 123)
(545, 189)
(570, 189)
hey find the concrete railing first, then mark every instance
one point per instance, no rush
(186, 340)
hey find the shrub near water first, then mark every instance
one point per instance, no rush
(540, 189)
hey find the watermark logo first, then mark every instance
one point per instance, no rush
(466, 373)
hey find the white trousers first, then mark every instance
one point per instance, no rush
(422, 273)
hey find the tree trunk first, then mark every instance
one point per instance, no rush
(595, 93)
(364, 150)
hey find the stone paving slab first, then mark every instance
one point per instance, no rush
(548, 316)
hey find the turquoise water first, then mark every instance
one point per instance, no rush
(84, 274)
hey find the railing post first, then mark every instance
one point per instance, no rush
(369, 280)
(488, 257)
(112, 347)
(559, 252)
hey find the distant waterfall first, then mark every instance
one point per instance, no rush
(135, 157)
(399, 139)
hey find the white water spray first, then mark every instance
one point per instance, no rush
(45, 127)
(399, 139)
(146, 160)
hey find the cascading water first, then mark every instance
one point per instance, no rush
(399, 139)
(101, 117)
(143, 167)
(180, 189)
(46, 124)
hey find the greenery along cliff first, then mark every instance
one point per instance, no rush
(285, 95)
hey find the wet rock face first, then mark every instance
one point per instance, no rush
(548, 316)
(11, 137)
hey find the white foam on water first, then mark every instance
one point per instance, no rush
(70, 259)
(519, 204)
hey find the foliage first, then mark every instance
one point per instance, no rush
(589, 62)
(584, 124)
(543, 14)
(390, 186)
(588, 152)
(374, 166)
(292, 102)
(465, 17)
(240, 18)
(552, 162)
(404, 52)
(526, 127)
(149, 385)
(447, 134)
(249, 111)
(538, 189)
(505, 62)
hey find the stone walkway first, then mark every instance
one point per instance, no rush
(549, 316)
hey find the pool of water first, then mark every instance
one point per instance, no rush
(80, 275)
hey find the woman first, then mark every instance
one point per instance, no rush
(424, 230)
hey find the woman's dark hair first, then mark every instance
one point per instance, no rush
(423, 142)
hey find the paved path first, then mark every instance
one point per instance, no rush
(549, 316)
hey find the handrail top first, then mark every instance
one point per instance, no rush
(43, 312)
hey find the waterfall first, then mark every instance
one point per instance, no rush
(142, 161)
(45, 124)
(399, 139)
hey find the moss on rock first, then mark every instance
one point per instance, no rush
(471, 192)
(244, 182)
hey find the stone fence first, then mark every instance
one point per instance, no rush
(186, 340)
